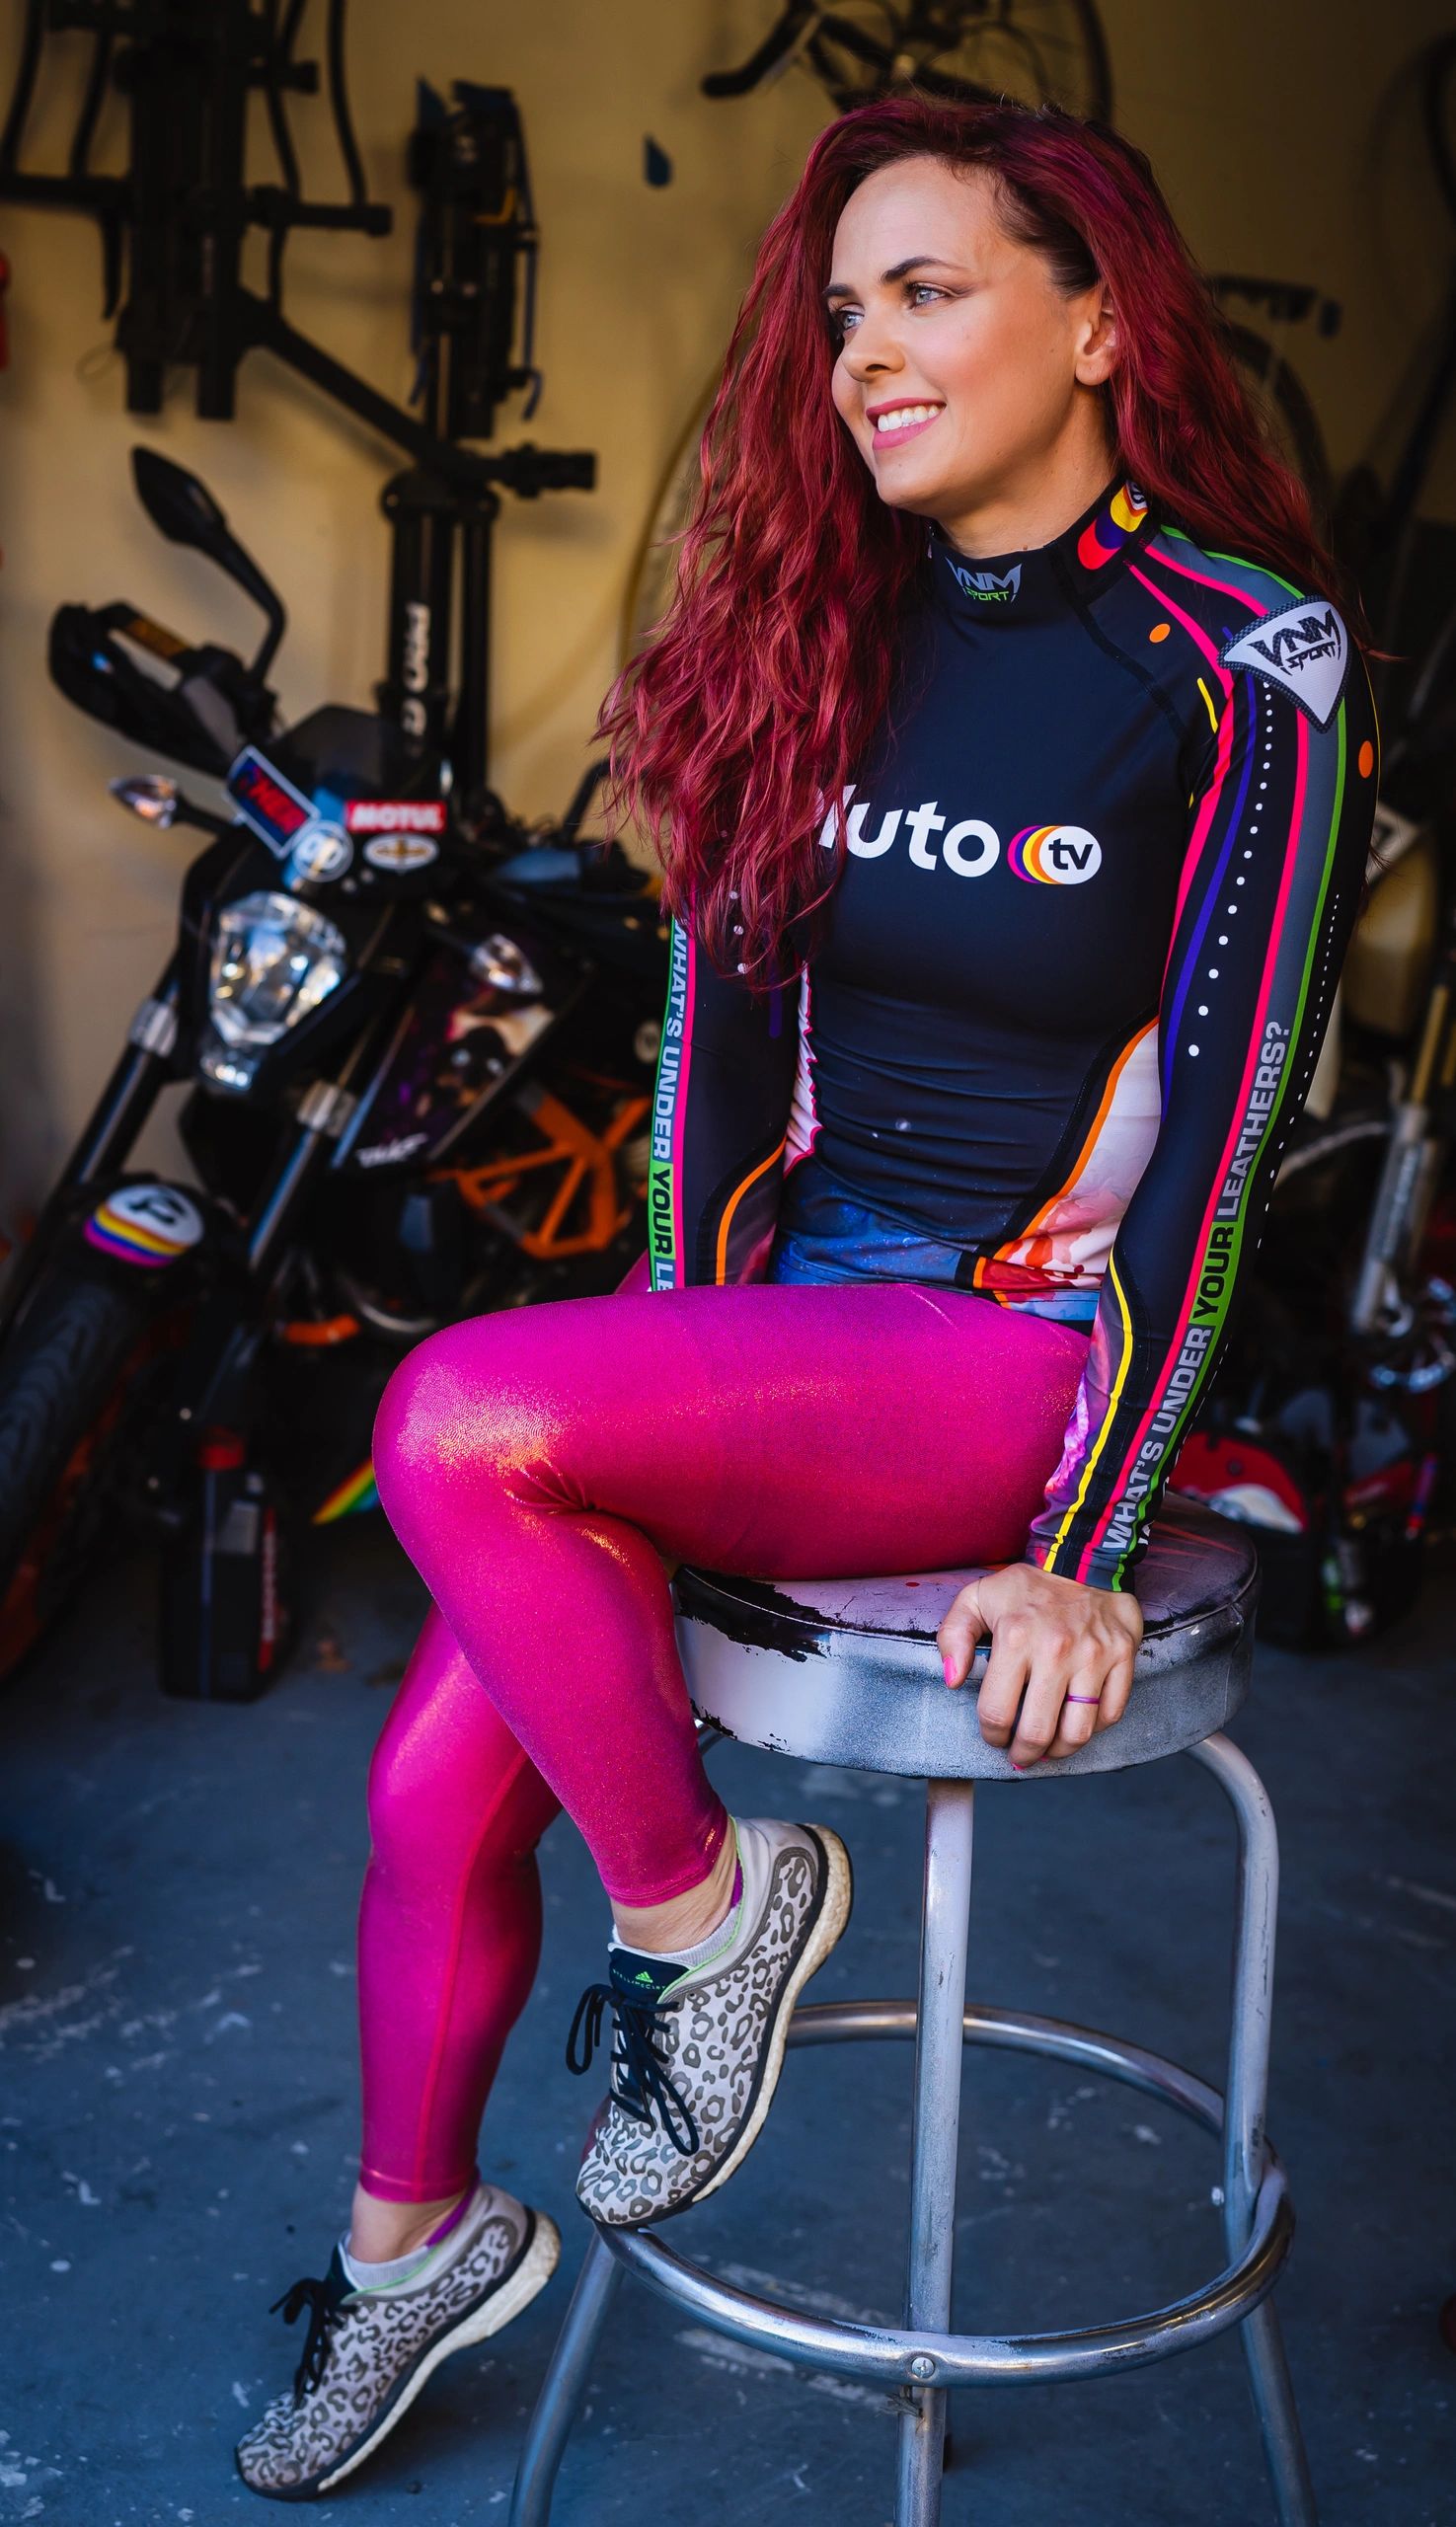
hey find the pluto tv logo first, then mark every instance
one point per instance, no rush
(1054, 855)
(1040, 854)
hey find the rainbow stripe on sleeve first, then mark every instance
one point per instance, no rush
(1124, 1467)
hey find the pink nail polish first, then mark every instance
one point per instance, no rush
(949, 1667)
(1016, 1768)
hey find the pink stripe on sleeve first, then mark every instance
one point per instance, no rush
(1204, 579)
(1255, 1039)
(1208, 808)
(1194, 631)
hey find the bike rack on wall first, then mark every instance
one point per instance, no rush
(174, 228)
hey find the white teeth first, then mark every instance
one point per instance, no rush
(903, 415)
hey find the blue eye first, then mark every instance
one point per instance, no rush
(841, 318)
(916, 291)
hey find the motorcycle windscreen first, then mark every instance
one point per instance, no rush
(353, 754)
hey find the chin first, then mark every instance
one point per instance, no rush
(917, 499)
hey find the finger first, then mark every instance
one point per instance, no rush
(962, 1630)
(1117, 1687)
(1002, 1684)
(1078, 1718)
(1042, 1699)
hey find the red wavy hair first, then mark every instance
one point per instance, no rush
(748, 708)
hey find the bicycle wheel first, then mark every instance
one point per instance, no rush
(1287, 413)
(654, 574)
(1032, 52)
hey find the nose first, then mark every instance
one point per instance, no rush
(871, 350)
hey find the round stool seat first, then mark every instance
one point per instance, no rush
(846, 1672)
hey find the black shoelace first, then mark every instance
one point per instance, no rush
(324, 2301)
(639, 2079)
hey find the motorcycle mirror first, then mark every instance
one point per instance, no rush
(150, 796)
(184, 510)
(175, 501)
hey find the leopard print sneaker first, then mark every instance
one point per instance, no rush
(368, 2354)
(697, 2051)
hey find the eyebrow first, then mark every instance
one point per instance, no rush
(896, 272)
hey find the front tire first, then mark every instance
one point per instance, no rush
(66, 1385)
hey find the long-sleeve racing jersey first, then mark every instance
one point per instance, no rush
(1103, 863)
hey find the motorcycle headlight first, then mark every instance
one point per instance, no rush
(274, 961)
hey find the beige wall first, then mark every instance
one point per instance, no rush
(1286, 139)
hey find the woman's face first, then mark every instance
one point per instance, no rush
(963, 368)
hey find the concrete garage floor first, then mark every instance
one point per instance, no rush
(177, 2113)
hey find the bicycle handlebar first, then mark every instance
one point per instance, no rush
(774, 54)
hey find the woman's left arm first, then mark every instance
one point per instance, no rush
(1279, 829)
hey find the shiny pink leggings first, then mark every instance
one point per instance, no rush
(537, 1467)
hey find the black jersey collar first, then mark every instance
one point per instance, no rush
(1036, 586)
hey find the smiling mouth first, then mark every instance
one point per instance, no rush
(903, 422)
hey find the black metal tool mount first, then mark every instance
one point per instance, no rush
(174, 230)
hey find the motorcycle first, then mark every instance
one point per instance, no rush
(416, 1042)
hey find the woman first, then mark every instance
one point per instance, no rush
(1018, 772)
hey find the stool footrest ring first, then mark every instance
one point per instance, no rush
(887, 2357)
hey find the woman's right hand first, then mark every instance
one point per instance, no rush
(1061, 1658)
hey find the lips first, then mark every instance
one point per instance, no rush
(899, 437)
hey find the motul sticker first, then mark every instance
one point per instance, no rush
(398, 853)
(276, 812)
(146, 1224)
(396, 815)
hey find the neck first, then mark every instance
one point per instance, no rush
(1033, 508)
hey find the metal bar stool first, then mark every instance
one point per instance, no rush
(846, 1672)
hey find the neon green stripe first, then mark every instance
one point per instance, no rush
(1240, 561)
(1113, 1400)
(1231, 1275)
(663, 1188)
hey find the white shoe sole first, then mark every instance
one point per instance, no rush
(832, 1914)
(531, 2275)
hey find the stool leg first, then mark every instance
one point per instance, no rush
(564, 2387)
(945, 1925)
(1245, 2095)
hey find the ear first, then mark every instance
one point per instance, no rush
(1099, 344)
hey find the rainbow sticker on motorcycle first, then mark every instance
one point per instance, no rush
(1054, 855)
(151, 1225)
(351, 1498)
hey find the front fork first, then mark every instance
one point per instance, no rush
(128, 1099)
(216, 1385)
